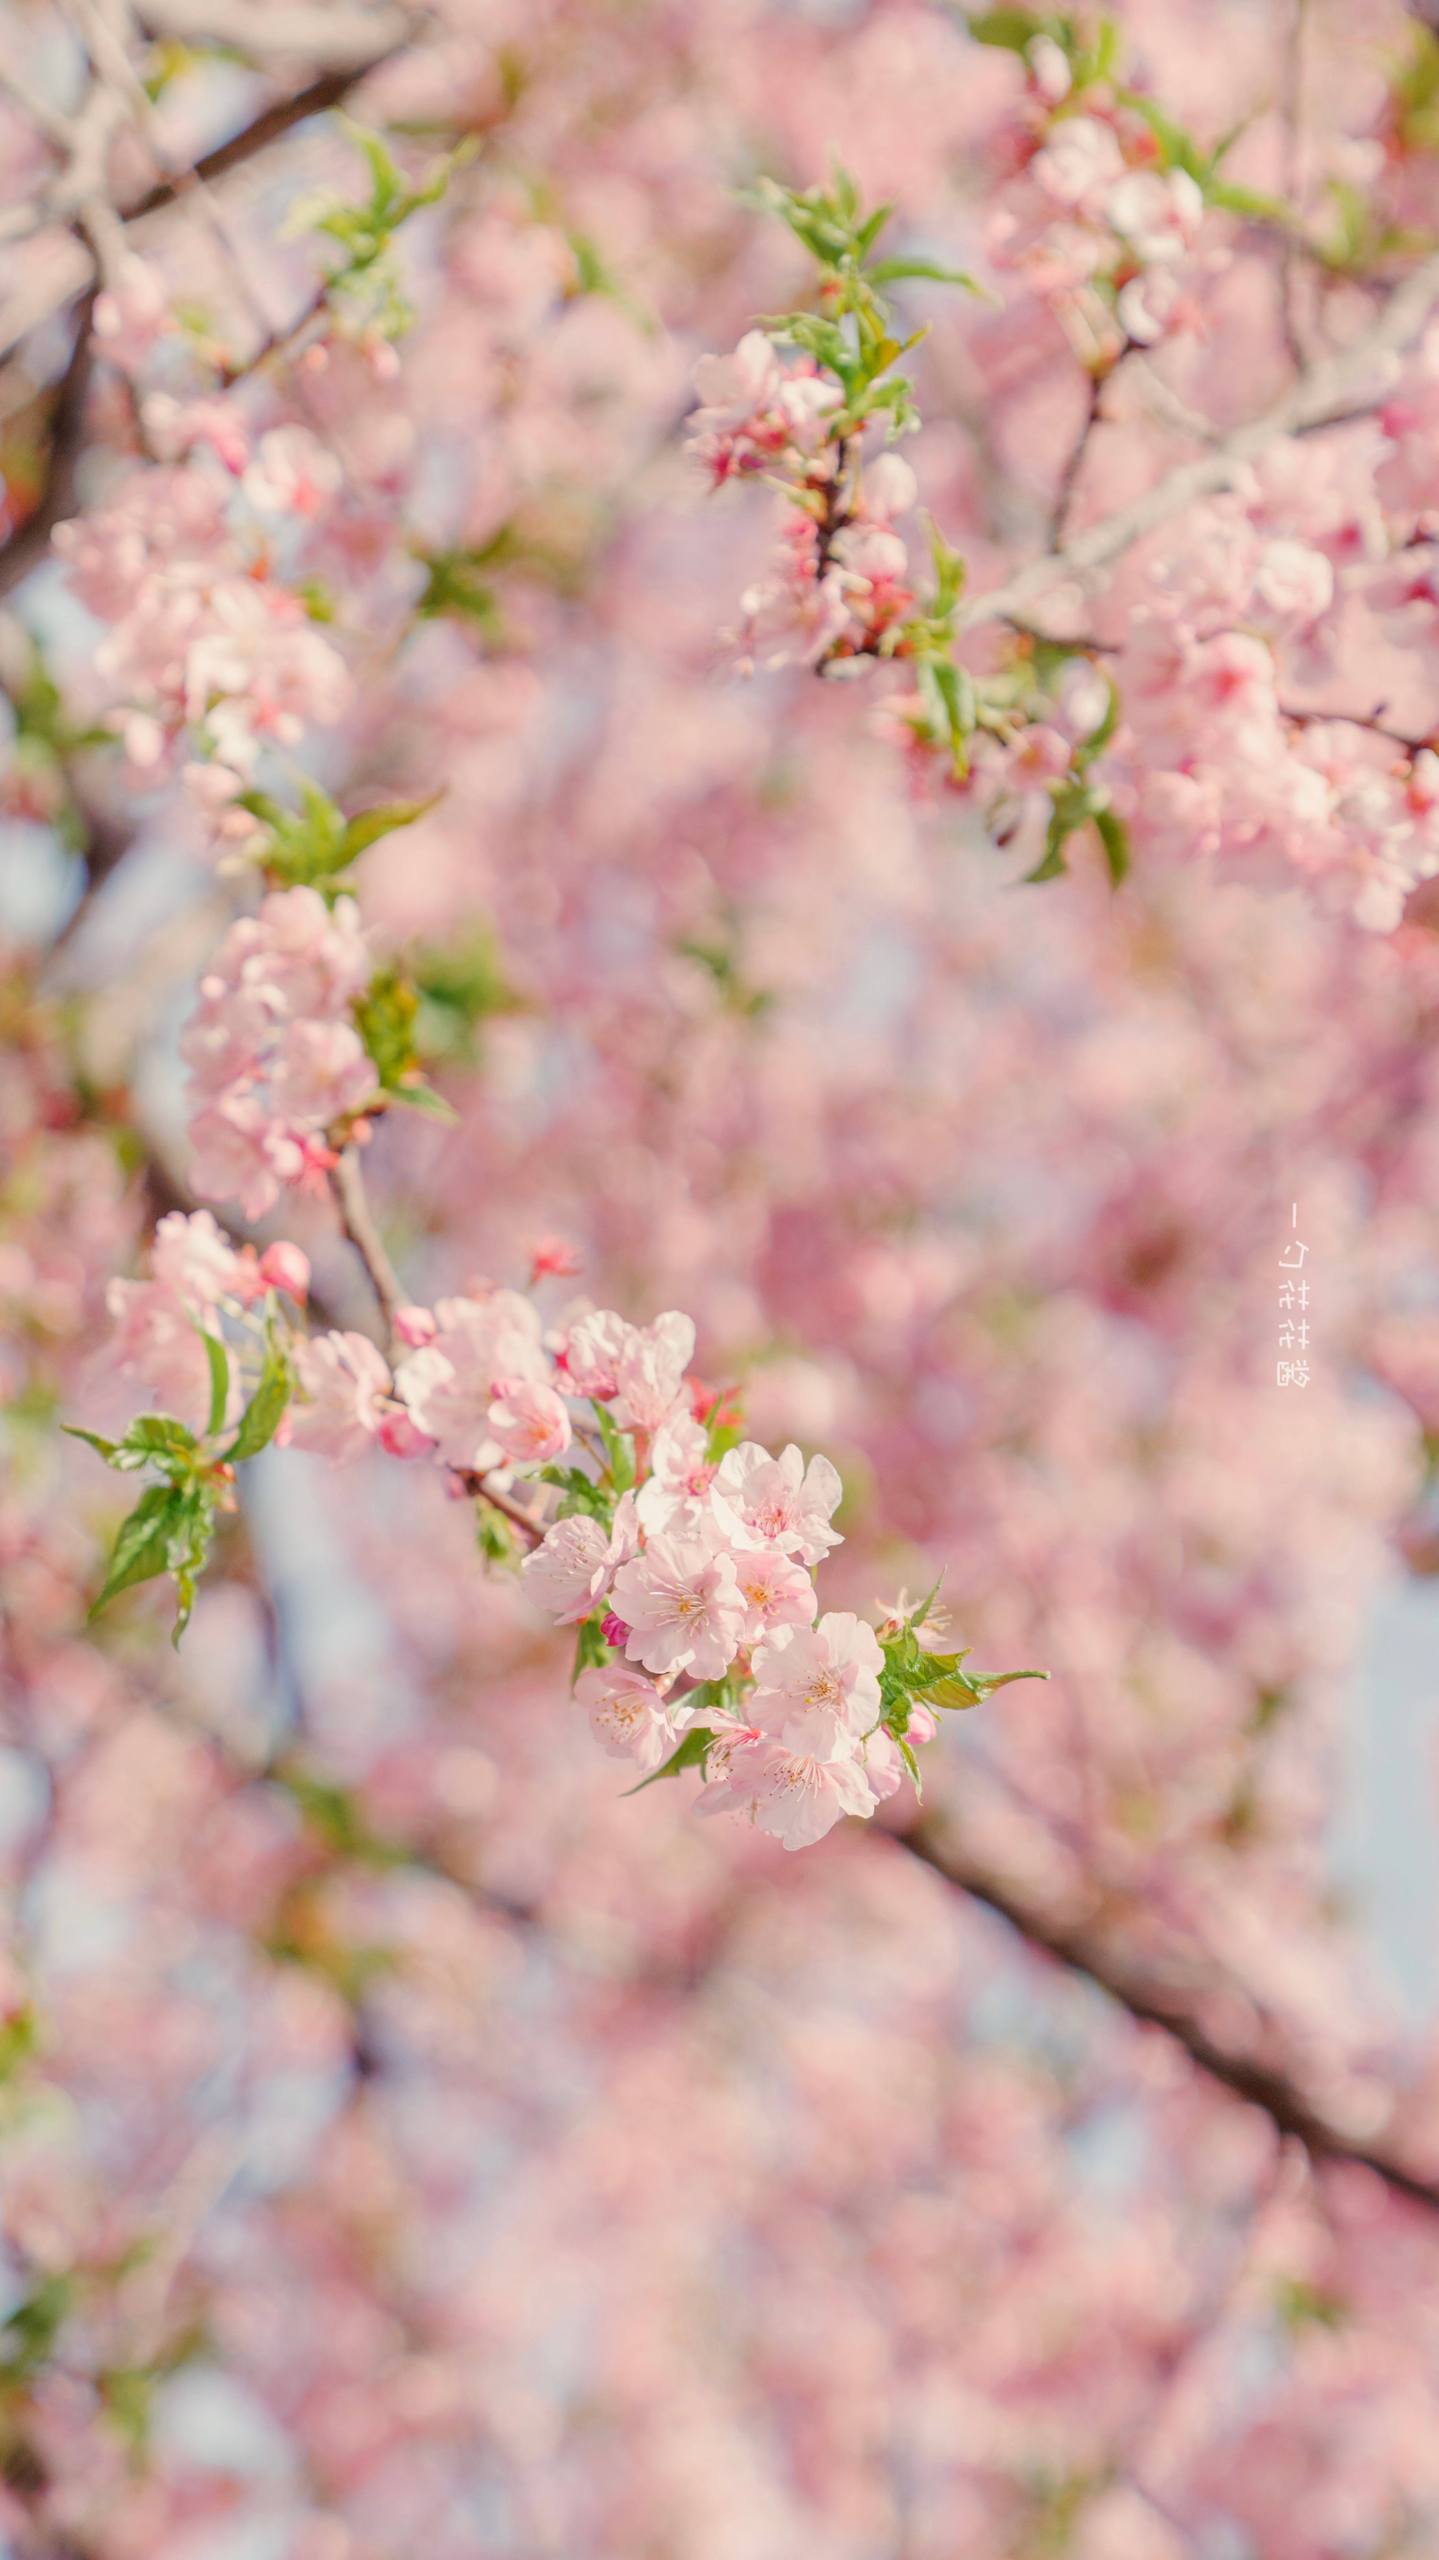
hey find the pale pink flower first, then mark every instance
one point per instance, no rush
(236, 1154)
(733, 389)
(590, 1354)
(158, 1341)
(833, 1667)
(566, 1572)
(1293, 583)
(776, 1591)
(682, 1604)
(284, 1267)
(673, 1494)
(193, 1258)
(132, 315)
(651, 1370)
(450, 1384)
(1157, 214)
(322, 1072)
(628, 1717)
(781, 1500)
(292, 473)
(1080, 161)
(343, 1384)
(796, 1785)
(530, 1421)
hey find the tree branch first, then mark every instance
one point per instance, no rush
(347, 1181)
(1132, 1987)
(1324, 396)
(331, 38)
(25, 548)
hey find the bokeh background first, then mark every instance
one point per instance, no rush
(422, 2147)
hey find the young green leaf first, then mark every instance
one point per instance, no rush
(261, 1418)
(219, 1360)
(142, 1543)
(690, 1755)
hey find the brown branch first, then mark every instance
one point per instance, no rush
(25, 548)
(347, 1182)
(1373, 721)
(1085, 1951)
(1323, 396)
(1074, 461)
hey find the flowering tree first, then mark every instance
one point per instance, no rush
(780, 664)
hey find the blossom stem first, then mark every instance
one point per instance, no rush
(347, 1182)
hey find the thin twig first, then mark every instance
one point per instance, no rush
(1133, 1988)
(1074, 461)
(1324, 396)
(347, 1182)
(26, 547)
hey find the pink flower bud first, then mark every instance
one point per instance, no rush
(415, 1326)
(552, 1258)
(285, 1267)
(613, 1629)
(403, 1438)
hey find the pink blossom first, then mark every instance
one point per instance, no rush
(237, 1154)
(651, 1370)
(159, 1341)
(776, 1591)
(450, 1384)
(197, 1263)
(628, 1717)
(673, 1493)
(795, 1785)
(681, 1601)
(833, 1667)
(343, 1383)
(529, 1420)
(591, 1351)
(566, 1572)
(781, 1500)
(285, 1267)
(292, 474)
(132, 315)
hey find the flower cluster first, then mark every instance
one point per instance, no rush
(1100, 232)
(683, 1555)
(197, 1278)
(274, 1055)
(211, 657)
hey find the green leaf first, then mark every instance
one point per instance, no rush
(1177, 149)
(986, 1682)
(1114, 836)
(385, 1018)
(1248, 202)
(690, 1755)
(106, 1448)
(219, 1360)
(906, 1753)
(261, 1418)
(142, 1544)
(1099, 737)
(158, 1439)
(189, 1550)
(1012, 29)
(371, 824)
(413, 1094)
(28, 2335)
(931, 270)
(1057, 836)
(591, 1650)
(619, 1450)
(581, 1493)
